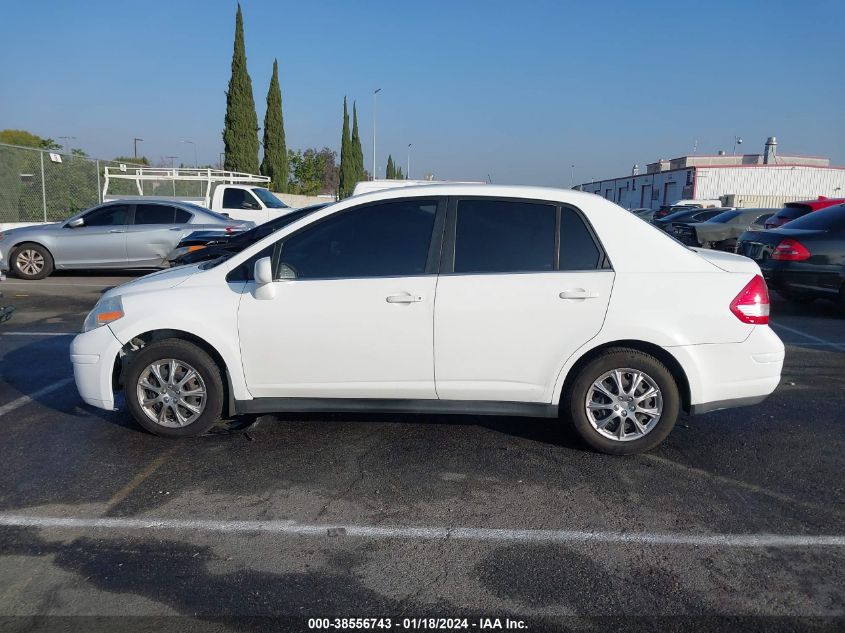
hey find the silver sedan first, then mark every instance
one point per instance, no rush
(119, 234)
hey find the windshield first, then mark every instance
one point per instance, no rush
(727, 216)
(269, 199)
(263, 230)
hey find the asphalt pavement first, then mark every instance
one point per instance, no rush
(736, 522)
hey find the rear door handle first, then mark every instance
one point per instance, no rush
(578, 294)
(404, 298)
(176, 228)
(117, 231)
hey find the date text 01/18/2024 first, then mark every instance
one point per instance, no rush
(430, 624)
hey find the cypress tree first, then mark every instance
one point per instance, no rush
(275, 163)
(358, 152)
(240, 133)
(390, 170)
(347, 167)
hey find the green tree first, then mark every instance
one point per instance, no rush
(27, 139)
(357, 150)
(313, 171)
(240, 134)
(399, 174)
(275, 163)
(390, 170)
(347, 158)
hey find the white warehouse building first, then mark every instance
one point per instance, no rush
(749, 180)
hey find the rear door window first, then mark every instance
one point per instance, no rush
(578, 250)
(504, 236)
(154, 214)
(182, 216)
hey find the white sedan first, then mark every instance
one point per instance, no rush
(478, 299)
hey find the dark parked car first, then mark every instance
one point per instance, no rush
(720, 232)
(207, 245)
(688, 216)
(669, 209)
(804, 260)
(794, 210)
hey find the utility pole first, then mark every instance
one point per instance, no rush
(408, 171)
(377, 90)
(136, 139)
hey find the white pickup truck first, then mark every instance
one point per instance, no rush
(240, 196)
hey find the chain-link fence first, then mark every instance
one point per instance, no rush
(42, 186)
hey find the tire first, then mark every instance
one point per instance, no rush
(177, 420)
(31, 261)
(666, 402)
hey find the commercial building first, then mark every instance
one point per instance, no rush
(748, 180)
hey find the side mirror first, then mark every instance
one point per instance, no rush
(76, 223)
(263, 274)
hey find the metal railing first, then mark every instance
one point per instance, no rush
(45, 186)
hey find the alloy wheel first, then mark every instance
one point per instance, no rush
(171, 393)
(624, 404)
(30, 262)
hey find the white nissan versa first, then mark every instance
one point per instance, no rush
(478, 299)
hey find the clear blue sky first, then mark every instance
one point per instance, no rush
(516, 90)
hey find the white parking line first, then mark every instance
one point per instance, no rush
(819, 341)
(292, 528)
(24, 400)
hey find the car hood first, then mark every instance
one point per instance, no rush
(33, 228)
(169, 278)
(729, 262)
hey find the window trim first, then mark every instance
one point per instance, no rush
(447, 259)
(434, 250)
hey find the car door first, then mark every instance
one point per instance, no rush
(352, 315)
(241, 204)
(523, 285)
(100, 242)
(154, 232)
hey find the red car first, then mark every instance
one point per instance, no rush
(794, 210)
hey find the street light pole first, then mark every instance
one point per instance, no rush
(195, 152)
(571, 176)
(408, 172)
(377, 90)
(737, 141)
(136, 145)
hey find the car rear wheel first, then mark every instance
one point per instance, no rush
(174, 389)
(32, 261)
(623, 402)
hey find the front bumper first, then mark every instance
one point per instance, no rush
(93, 355)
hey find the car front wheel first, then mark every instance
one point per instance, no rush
(32, 262)
(623, 402)
(174, 389)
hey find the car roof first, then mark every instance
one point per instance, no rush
(814, 205)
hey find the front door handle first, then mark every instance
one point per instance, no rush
(578, 294)
(404, 298)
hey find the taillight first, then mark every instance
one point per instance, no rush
(790, 250)
(231, 229)
(751, 305)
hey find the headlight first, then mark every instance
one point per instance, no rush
(106, 311)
